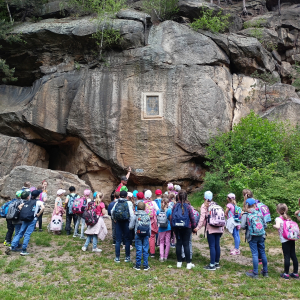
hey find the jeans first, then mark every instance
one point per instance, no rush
(82, 221)
(142, 247)
(183, 239)
(122, 228)
(257, 246)
(164, 240)
(214, 247)
(89, 238)
(26, 230)
(113, 227)
(17, 228)
(10, 231)
(69, 218)
(191, 248)
(236, 236)
(289, 252)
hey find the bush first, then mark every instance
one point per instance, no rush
(163, 9)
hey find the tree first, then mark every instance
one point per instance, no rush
(279, 8)
(244, 8)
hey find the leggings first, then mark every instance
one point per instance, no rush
(183, 239)
(289, 252)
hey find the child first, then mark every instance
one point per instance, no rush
(99, 230)
(113, 223)
(171, 189)
(57, 213)
(142, 227)
(158, 199)
(254, 224)
(177, 188)
(172, 201)
(68, 206)
(164, 233)
(297, 213)
(232, 226)
(288, 247)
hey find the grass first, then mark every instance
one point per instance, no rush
(58, 269)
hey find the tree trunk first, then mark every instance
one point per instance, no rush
(10, 18)
(244, 8)
(279, 8)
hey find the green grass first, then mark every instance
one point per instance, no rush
(58, 269)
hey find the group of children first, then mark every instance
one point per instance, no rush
(154, 222)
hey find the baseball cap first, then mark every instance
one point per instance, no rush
(140, 195)
(231, 196)
(124, 188)
(123, 194)
(148, 194)
(19, 193)
(86, 192)
(124, 178)
(208, 195)
(250, 201)
(25, 195)
(95, 195)
(35, 193)
(135, 193)
(60, 192)
(170, 185)
(177, 188)
(158, 192)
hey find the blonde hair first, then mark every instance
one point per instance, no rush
(231, 200)
(282, 209)
(164, 203)
(99, 198)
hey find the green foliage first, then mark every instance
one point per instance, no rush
(163, 9)
(266, 77)
(258, 34)
(212, 22)
(109, 37)
(296, 82)
(3, 11)
(255, 23)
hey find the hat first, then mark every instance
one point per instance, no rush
(208, 195)
(250, 201)
(231, 196)
(35, 193)
(148, 194)
(134, 193)
(170, 186)
(60, 192)
(124, 178)
(86, 192)
(123, 194)
(19, 193)
(25, 195)
(129, 194)
(140, 195)
(177, 188)
(158, 192)
(95, 194)
(124, 188)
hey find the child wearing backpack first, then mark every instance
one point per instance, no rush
(68, 206)
(213, 218)
(287, 238)
(232, 225)
(113, 223)
(254, 224)
(142, 228)
(164, 230)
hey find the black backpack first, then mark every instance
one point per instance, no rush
(121, 211)
(28, 210)
(13, 212)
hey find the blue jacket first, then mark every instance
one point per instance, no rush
(110, 207)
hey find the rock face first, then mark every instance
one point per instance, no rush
(16, 152)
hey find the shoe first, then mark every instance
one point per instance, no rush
(251, 274)
(285, 276)
(179, 264)
(265, 274)
(117, 260)
(131, 247)
(83, 248)
(260, 261)
(152, 255)
(7, 251)
(217, 266)
(137, 268)
(123, 247)
(161, 259)
(34, 229)
(172, 246)
(40, 230)
(190, 265)
(4, 243)
(7, 244)
(97, 250)
(75, 235)
(235, 252)
(114, 243)
(68, 232)
(210, 268)
(24, 253)
(294, 275)
(127, 259)
(146, 268)
(83, 238)
(165, 259)
(238, 251)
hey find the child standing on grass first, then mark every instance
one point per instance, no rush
(113, 223)
(288, 246)
(254, 224)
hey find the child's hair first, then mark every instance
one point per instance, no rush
(165, 196)
(72, 189)
(117, 195)
(231, 200)
(282, 209)
(172, 197)
(164, 203)
(99, 198)
(131, 199)
(247, 207)
(39, 187)
(248, 193)
(141, 206)
(27, 184)
(144, 190)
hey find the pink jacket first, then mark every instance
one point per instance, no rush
(202, 221)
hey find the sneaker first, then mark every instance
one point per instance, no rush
(131, 247)
(217, 265)
(251, 274)
(138, 268)
(24, 253)
(75, 235)
(294, 275)
(127, 259)
(179, 264)
(123, 247)
(152, 255)
(265, 274)
(190, 266)
(165, 259)
(285, 276)
(210, 268)
(146, 268)
(7, 251)
(238, 251)
(117, 260)
(83, 238)
(34, 229)
(97, 250)
(7, 244)
(4, 243)
(83, 248)
(40, 230)
(68, 232)
(260, 261)
(161, 259)
(172, 246)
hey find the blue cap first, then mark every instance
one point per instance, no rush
(95, 194)
(250, 201)
(208, 195)
(135, 193)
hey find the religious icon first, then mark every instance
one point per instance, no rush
(152, 106)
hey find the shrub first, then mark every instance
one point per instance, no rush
(163, 9)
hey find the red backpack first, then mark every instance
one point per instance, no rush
(90, 215)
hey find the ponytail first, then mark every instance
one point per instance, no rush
(182, 197)
(282, 209)
(99, 198)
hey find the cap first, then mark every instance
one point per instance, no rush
(170, 185)
(95, 195)
(250, 201)
(231, 196)
(140, 195)
(148, 194)
(60, 192)
(129, 194)
(19, 193)
(124, 178)
(135, 193)
(177, 188)
(35, 193)
(208, 195)
(86, 192)
(158, 192)
(167, 193)
(124, 188)
(25, 195)
(123, 194)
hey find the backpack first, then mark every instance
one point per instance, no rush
(13, 212)
(196, 215)
(90, 215)
(180, 220)
(70, 203)
(162, 219)
(264, 209)
(28, 210)
(143, 225)
(4, 208)
(237, 214)
(255, 223)
(56, 223)
(121, 211)
(216, 215)
(79, 205)
(149, 209)
(290, 230)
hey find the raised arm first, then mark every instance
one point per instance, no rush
(129, 171)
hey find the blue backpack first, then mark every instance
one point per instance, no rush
(255, 223)
(4, 208)
(121, 211)
(70, 203)
(180, 220)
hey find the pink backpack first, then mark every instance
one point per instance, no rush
(290, 230)
(56, 223)
(150, 208)
(79, 206)
(216, 215)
